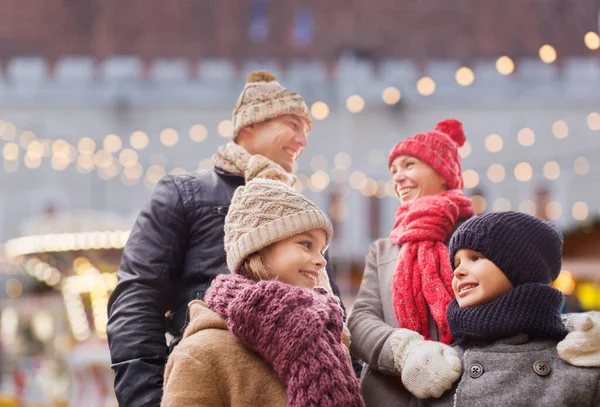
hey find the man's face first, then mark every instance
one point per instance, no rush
(281, 139)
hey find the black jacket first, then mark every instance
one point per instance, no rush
(174, 251)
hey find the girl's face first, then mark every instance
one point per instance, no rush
(477, 280)
(414, 179)
(297, 259)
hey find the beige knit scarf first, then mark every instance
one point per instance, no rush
(235, 159)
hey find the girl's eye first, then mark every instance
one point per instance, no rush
(308, 245)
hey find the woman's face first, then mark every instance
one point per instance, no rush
(298, 259)
(414, 179)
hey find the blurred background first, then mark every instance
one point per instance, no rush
(99, 99)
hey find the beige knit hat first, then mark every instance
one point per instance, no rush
(266, 211)
(263, 98)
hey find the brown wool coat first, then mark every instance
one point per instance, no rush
(210, 367)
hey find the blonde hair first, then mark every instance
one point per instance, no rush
(253, 267)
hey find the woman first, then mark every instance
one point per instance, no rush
(398, 323)
(265, 336)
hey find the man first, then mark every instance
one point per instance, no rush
(176, 246)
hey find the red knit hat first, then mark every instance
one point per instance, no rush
(437, 148)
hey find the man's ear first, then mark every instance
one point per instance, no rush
(248, 130)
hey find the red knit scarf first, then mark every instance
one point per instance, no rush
(423, 276)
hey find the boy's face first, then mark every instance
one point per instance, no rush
(297, 259)
(477, 280)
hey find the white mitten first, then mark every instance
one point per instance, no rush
(581, 347)
(427, 368)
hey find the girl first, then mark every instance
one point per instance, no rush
(506, 317)
(398, 323)
(266, 335)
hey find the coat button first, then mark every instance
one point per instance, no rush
(475, 370)
(541, 368)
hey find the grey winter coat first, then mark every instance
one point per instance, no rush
(518, 372)
(371, 323)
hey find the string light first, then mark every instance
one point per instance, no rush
(225, 128)
(465, 150)
(593, 121)
(496, 173)
(494, 143)
(526, 137)
(479, 204)
(551, 170)
(112, 143)
(553, 210)
(502, 205)
(560, 129)
(342, 161)
(426, 86)
(527, 207)
(580, 211)
(355, 104)
(592, 40)
(169, 137)
(505, 65)
(391, 95)
(139, 140)
(547, 54)
(465, 76)
(198, 133)
(523, 172)
(471, 178)
(319, 110)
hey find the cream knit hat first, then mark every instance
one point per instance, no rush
(266, 211)
(263, 98)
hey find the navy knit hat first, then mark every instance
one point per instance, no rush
(526, 249)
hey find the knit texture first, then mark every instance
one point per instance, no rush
(263, 98)
(264, 212)
(423, 276)
(581, 347)
(437, 148)
(235, 159)
(428, 368)
(526, 249)
(531, 308)
(297, 331)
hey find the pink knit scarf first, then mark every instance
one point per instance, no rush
(423, 276)
(296, 331)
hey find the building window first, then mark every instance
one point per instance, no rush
(258, 30)
(304, 27)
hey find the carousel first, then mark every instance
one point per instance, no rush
(53, 319)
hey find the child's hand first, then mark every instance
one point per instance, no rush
(581, 347)
(427, 368)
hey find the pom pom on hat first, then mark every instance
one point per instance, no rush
(260, 76)
(454, 129)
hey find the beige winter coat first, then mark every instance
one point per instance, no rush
(210, 367)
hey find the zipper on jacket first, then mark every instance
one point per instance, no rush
(222, 210)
